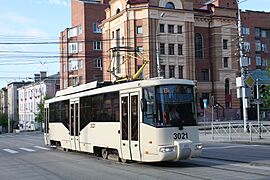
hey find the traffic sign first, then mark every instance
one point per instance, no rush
(249, 81)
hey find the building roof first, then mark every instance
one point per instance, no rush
(137, 1)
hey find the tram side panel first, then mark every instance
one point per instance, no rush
(100, 134)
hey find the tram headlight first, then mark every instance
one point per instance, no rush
(199, 147)
(167, 149)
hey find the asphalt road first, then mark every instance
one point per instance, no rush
(25, 157)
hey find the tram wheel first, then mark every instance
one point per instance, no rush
(104, 153)
(123, 160)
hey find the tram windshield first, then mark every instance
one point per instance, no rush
(169, 106)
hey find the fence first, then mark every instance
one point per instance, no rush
(235, 131)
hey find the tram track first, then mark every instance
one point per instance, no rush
(247, 167)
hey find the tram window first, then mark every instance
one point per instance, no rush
(59, 112)
(100, 108)
(149, 94)
(86, 115)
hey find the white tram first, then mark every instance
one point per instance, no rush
(130, 120)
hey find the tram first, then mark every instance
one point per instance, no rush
(147, 121)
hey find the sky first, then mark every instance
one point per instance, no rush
(41, 21)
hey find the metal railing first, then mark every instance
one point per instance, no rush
(235, 131)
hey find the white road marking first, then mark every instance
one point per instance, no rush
(43, 148)
(26, 149)
(229, 147)
(10, 151)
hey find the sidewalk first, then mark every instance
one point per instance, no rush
(206, 136)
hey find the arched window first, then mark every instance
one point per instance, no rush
(227, 87)
(117, 10)
(198, 45)
(169, 5)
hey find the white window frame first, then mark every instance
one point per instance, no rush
(97, 45)
(72, 32)
(98, 63)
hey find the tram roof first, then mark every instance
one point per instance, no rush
(104, 87)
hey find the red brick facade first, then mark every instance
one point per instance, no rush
(85, 63)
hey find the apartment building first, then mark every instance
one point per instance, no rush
(13, 105)
(3, 100)
(30, 95)
(256, 38)
(81, 44)
(185, 39)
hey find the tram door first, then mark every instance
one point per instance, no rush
(46, 125)
(130, 126)
(74, 125)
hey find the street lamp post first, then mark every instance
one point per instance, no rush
(244, 100)
(157, 46)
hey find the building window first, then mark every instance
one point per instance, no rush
(171, 71)
(80, 64)
(97, 45)
(263, 34)
(162, 48)
(169, 5)
(171, 49)
(170, 28)
(245, 31)
(163, 70)
(257, 32)
(112, 34)
(246, 46)
(264, 48)
(96, 29)
(258, 60)
(73, 65)
(198, 46)
(225, 44)
(72, 48)
(72, 32)
(205, 74)
(225, 62)
(179, 29)
(180, 72)
(80, 44)
(98, 63)
(180, 49)
(161, 28)
(118, 62)
(79, 29)
(258, 46)
(117, 11)
(139, 30)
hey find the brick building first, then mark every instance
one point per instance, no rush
(256, 38)
(81, 45)
(189, 39)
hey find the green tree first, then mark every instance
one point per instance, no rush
(40, 109)
(3, 119)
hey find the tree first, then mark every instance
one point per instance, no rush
(40, 113)
(3, 119)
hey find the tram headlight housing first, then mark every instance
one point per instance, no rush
(198, 146)
(167, 149)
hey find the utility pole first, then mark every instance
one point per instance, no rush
(243, 75)
(258, 108)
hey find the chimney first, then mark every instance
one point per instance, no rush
(37, 77)
(43, 75)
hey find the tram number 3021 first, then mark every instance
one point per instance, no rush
(180, 136)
